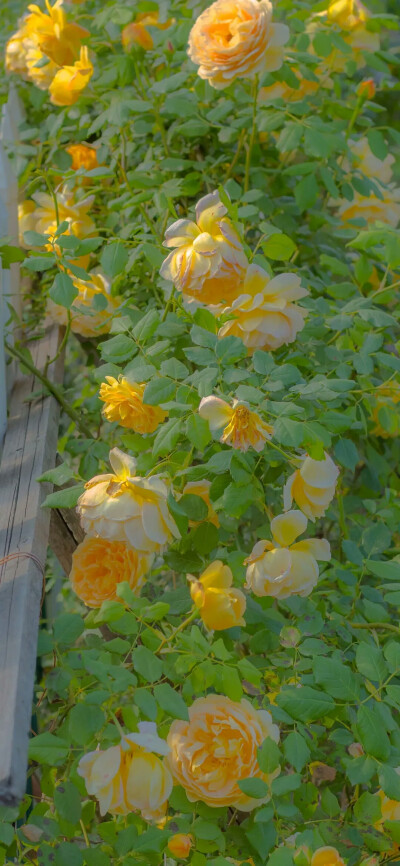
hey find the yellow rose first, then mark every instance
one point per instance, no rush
(371, 209)
(202, 489)
(242, 428)
(386, 397)
(26, 219)
(180, 844)
(390, 809)
(219, 605)
(130, 777)
(217, 747)
(370, 165)
(86, 320)
(281, 90)
(346, 13)
(70, 80)
(98, 566)
(124, 403)
(75, 213)
(236, 39)
(136, 33)
(327, 856)
(281, 568)
(44, 36)
(312, 486)
(209, 262)
(126, 507)
(351, 17)
(265, 316)
(82, 156)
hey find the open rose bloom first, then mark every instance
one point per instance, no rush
(241, 428)
(219, 604)
(43, 217)
(126, 507)
(281, 568)
(99, 565)
(236, 39)
(312, 486)
(130, 777)
(69, 81)
(217, 747)
(208, 262)
(264, 315)
(123, 403)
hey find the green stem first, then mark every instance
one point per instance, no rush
(168, 304)
(342, 516)
(371, 625)
(176, 631)
(54, 390)
(61, 347)
(252, 135)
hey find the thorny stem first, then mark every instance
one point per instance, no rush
(252, 135)
(51, 388)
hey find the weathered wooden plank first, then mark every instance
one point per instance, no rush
(29, 450)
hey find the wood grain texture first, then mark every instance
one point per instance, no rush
(29, 450)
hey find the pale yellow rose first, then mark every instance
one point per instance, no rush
(130, 777)
(126, 507)
(123, 401)
(220, 606)
(180, 845)
(265, 316)
(217, 747)
(350, 16)
(208, 263)
(26, 219)
(312, 486)
(242, 428)
(202, 489)
(99, 565)
(281, 568)
(236, 39)
(370, 165)
(327, 856)
(390, 809)
(74, 212)
(70, 80)
(282, 90)
(387, 396)
(372, 209)
(86, 320)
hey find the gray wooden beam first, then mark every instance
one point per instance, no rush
(30, 448)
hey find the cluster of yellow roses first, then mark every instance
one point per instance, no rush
(47, 50)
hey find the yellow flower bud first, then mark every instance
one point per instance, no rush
(180, 845)
(219, 605)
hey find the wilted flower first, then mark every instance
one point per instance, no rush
(130, 777)
(69, 81)
(368, 163)
(236, 39)
(282, 90)
(180, 844)
(265, 316)
(281, 568)
(219, 605)
(126, 507)
(82, 156)
(209, 261)
(217, 747)
(373, 208)
(86, 319)
(124, 403)
(355, 750)
(242, 428)
(312, 486)
(385, 400)
(99, 565)
(202, 489)
(136, 32)
(327, 856)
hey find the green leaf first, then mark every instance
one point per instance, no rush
(67, 628)
(268, 756)
(372, 735)
(167, 436)
(114, 258)
(171, 701)
(174, 368)
(147, 664)
(370, 662)
(304, 703)
(337, 678)
(389, 570)
(296, 750)
(389, 781)
(58, 476)
(67, 801)
(64, 498)
(63, 291)
(376, 538)
(84, 720)
(256, 788)
(39, 263)
(117, 349)
(230, 349)
(346, 453)
(306, 193)
(279, 246)
(158, 391)
(377, 143)
(367, 808)
(10, 254)
(193, 506)
(48, 749)
(198, 431)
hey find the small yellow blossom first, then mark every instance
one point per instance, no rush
(243, 428)
(312, 486)
(82, 156)
(219, 605)
(130, 777)
(327, 856)
(202, 489)
(217, 747)
(208, 263)
(264, 315)
(70, 80)
(236, 39)
(180, 844)
(281, 568)
(126, 507)
(124, 403)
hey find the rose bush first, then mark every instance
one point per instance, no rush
(210, 207)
